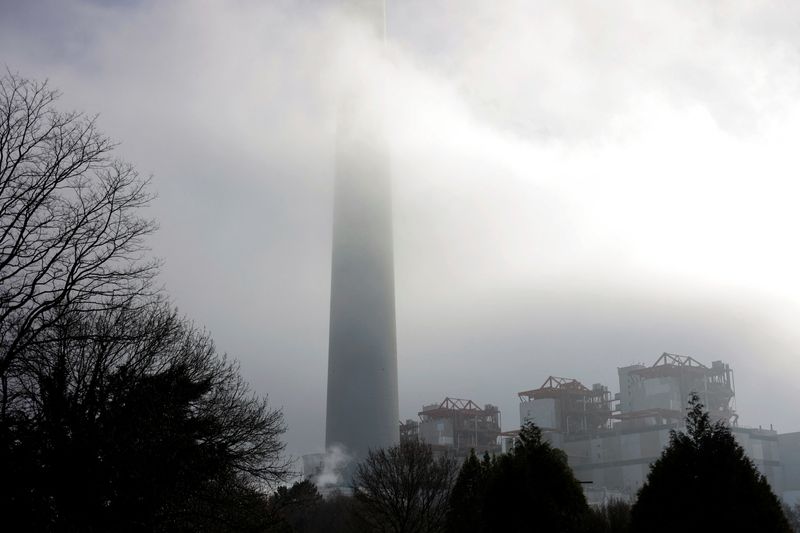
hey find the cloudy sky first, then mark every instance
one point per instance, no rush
(578, 185)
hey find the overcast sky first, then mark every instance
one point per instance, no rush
(578, 185)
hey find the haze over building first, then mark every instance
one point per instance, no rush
(362, 402)
(612, 439)
(611, 442)
(455, 427)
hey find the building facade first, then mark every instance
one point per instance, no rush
(455, 426)
(610, 444)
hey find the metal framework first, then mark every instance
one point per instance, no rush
(555, 385)
(714, 385)
(579, 409)
(449, 405)
(457, 425)
(677, 360)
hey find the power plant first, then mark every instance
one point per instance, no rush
(362, 403)
(611, 440)
(455, 427)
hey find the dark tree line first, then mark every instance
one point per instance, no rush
(530, 488)
(301, 508)
(702, 482)
(116, 414)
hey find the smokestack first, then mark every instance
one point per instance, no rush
(362, 408)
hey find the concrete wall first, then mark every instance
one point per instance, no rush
(617, 461)
(542, 412)
(789, 449)
(620, 460)
(762, 446)
(438, 431)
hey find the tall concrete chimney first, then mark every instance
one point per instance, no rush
(362, 410)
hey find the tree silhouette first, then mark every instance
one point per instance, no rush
(404, 489)
(703, 481)
(531, 488)
(116, 414)
(130, 420)
(295, 507)
(792, 513)
(611, 517)
(71, 226)
(466, 498)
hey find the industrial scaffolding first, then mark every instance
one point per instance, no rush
(714, 385)
(457, 426)
(578, 409)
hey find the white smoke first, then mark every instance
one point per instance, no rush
(334, 463)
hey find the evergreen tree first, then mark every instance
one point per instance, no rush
(704, 482)
(612, 517)
(467, 495)
(531, 488)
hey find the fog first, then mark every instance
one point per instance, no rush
(577, 185)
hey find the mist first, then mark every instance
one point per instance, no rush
(577, 186)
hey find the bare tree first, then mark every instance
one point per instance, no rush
(71, 230)
(403, 489)
(115, 412)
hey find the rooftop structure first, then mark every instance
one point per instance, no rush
(567, 405)
(612, 448)
(457, 426)
(660, 391)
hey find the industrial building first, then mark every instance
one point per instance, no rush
(610, 444)
(610, 440)
(789, 450)
(661, 390)
(566, 405)
(455, 426)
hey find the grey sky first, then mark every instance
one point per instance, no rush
(578, 185)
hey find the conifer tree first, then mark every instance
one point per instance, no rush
(467, 495)
(703, 482)
(531, 488)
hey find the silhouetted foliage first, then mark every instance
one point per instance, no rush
(130, 420)
(403, 489)
(71, 230)
(115, 413)
(703, 482)
(531, 488)
(301, 509)
(294, 507)
(611, 517)
(335, 514)
(792, 513)
(466, 498)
